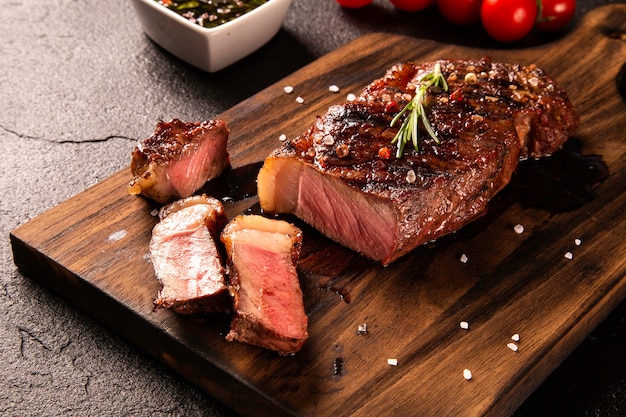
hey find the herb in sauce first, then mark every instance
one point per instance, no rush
(211, 13)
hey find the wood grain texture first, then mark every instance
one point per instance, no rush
(93, 250)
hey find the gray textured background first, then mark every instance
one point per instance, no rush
(79, 84)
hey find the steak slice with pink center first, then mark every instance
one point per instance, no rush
(186, 259)
(178, 159)
(268, 309)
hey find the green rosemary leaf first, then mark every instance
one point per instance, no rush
(409, 130)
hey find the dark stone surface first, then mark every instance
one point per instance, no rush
(79, 84)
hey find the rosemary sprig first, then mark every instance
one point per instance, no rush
(409, 131)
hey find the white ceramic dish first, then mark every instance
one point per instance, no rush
(215, 48)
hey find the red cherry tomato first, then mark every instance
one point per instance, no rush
(460, 12)
(412, 5)
(508, 20)
(555, 14)
(353, 4)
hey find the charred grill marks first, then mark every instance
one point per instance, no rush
(492, 115)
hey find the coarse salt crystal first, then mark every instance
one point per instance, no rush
(519, 229)
(515, 337)
(116, 236)
(282, 137)
(392, 362)
(411, 177)
(299, 100)
(464, 258)
(328, 140)
(464, 325)
(512, 346)
(362, 329)
(333, 89)
(154, 212)
(471, 78)
(569, 255)
(288, 89)
(467, 374)
(578, 242)
(350, 97)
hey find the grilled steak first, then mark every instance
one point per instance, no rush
(341, 176)
(185, 257)
(268, 309)
(178, 159)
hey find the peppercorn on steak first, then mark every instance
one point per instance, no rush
(465, 124)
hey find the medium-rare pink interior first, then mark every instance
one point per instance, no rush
(186, 259)
(178, 159)
(333, 208)
(268, 309)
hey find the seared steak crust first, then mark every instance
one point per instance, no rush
(178, 159)
(493, 90)
(382, 206)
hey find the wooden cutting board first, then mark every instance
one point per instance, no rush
(93, 250)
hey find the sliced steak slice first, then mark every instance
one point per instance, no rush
(341, 176)
(186, 259)
(268, 309)
(178, 159)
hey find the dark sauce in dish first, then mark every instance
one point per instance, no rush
(211, 13)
